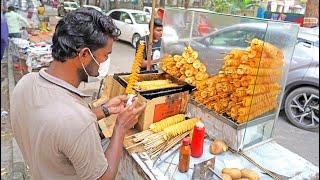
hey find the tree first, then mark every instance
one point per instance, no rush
(312, 8)
(186, 4)
(162, 3)
(116, 4)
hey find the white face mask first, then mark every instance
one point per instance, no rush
(103, 67)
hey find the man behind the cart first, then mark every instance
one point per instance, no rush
(156, 45)
(54, 127)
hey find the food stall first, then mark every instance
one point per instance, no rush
(232, 81)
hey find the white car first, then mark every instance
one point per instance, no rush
(132, 23)
(66, 7)
(95, 7)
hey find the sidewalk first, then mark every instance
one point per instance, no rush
(12, 163)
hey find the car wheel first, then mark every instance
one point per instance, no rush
(302, 108)
(135, 39)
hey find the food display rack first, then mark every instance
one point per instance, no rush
(225, 34)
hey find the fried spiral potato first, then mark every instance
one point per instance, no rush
(155, 84)
(161, 125)
(186, 67)
(180, 128)
(135, 69)
(248, 83)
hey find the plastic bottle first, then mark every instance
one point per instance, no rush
(184, 158)
(197, 140)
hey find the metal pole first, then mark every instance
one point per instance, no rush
(151, 36)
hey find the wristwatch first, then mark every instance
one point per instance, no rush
(105, 110)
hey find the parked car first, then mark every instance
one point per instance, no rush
(132, 23)
(301, 99)
(65, 7)
(95, 7)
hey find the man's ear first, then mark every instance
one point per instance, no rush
(84, 56)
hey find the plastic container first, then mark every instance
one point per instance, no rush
(197, 140)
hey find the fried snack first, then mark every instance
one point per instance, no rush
(161, 125)
(235, 173)
(155, 84)
(248, 100)
(135, 70)
(255, 107)
(247, 70)
(254, 114)
(250, 174)
(180, 128)
(187, 68)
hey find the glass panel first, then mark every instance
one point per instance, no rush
(247, 60)
(268, 89)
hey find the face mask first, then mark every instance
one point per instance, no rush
(103, 69)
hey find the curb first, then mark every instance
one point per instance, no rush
(19, 167)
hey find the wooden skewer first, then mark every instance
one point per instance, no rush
(172, 143)
(134, 145)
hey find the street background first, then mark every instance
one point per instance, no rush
(304, 143)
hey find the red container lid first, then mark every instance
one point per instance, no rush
(186, 141)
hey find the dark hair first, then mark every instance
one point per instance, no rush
(157, 23)
(85, 27)
(10, 8)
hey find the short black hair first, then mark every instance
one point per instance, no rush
(157, 23)
(11, 8)
(84, 27)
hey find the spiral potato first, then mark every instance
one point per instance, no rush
(180, 128)
(248, 83)
(161, 125)
(135, 69)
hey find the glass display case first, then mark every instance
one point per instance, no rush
(246, 65)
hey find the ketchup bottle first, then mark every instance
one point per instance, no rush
(197, 140)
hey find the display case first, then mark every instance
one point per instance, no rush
(246, 62)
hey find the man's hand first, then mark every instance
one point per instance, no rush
(129, 116)
(114, 105)
(117, 104)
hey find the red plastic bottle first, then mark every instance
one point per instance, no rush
(197, 140)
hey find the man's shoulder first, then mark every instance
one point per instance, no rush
(27, 80)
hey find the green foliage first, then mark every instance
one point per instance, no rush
(229, 6)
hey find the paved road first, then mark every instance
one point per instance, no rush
(302, 142)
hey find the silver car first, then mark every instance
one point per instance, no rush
(301, 100)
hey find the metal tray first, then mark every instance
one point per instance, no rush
(150, 94)
(226, 119)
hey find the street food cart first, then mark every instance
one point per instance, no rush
(237, 95)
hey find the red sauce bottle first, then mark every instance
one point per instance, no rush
(184, 158)
(197, 140)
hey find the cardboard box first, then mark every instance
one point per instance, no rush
(157, 108)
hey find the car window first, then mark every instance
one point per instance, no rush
(115, 15)
(74, 5)
(236, 38)
(140, 18)
(124, 16)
